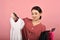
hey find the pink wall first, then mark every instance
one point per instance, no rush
(51, 14)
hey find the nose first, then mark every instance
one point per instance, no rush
(34, 16)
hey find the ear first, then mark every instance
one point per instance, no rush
(40, 16)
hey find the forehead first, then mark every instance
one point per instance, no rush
(35, 11)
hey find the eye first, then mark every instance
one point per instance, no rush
(35, 13)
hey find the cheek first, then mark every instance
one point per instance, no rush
(38, 16)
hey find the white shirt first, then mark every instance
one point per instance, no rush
(16, 27)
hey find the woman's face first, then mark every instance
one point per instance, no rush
(35, 15)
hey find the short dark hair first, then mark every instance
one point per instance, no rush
(37, 8)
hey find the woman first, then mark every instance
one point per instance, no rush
(33, 27)
(16, 26)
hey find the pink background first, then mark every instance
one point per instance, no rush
(51, 14)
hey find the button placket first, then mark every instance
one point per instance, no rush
(32, 28)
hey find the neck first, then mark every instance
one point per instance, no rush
(36, 20)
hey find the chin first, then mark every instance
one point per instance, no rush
(34, 19)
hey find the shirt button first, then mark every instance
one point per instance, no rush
(32, 28)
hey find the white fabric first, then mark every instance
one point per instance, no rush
(16, 27)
